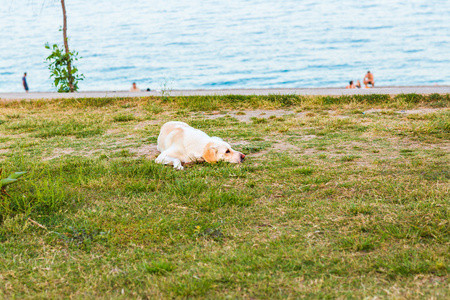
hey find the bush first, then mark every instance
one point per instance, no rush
(65, 77)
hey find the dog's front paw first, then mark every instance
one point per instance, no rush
(177, 165)
(159, 159)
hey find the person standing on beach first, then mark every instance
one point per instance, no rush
(24, 82)
(134, 88)
(368, 79)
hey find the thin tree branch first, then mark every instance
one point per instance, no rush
(66, 46)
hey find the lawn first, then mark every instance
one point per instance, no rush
(339, 197)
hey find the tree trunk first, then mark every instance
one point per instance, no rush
(66, 46)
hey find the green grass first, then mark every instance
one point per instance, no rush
(124, 118)
(329, 203)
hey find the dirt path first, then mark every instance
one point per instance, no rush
(247, 115)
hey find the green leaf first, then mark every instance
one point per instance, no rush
(57, 64)
(6, 181)
(16, 175)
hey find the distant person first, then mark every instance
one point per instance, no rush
(350, 85)
(24, 82)
(134, 88)
(358, 84)
(368, 79)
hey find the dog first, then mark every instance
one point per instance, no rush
(180, 143)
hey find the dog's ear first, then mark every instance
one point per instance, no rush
(210, 153)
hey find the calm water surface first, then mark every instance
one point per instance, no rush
(205, 44)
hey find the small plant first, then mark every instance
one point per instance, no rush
(14, 177)
(211, 233)
(304, 171)
(348, 158)
(122, 153)
(258, 120)
(255, 147)
(166, 89)
(360, 243)
(158, 267)
(84, 237)
(154, 108)
(124, 118)
(65, 77)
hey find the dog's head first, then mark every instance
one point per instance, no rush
(218, 150)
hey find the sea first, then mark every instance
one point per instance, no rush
(212, 44)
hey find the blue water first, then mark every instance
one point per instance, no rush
(206, 44)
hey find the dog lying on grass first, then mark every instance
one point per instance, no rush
(180, 143)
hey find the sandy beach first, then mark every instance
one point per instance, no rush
(394, 90)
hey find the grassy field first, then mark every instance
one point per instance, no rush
(339, 197)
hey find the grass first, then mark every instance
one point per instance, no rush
(332, 201)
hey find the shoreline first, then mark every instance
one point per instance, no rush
(392, 90)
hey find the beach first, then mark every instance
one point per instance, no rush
(394, 90)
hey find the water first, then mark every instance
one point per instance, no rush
(206, 44)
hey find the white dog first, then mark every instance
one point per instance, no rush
(178, 142)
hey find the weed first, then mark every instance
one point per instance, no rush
(256, 120)
(83, 236)
(13, 116)
(213, 233)
(348, 158)
(154, 108)
(255, 147)
(360, 243)
(409, 98)
(304, 171)
(158, 267)
(124, 118)
(361, 209)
